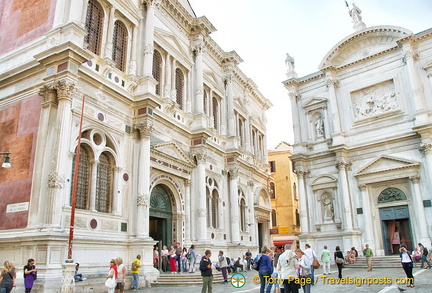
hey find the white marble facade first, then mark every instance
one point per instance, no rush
(362, 150)
(185, 143)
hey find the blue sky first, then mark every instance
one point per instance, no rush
(262, 32)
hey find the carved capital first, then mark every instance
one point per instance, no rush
(152, 3)
(411, 54)
(143, 200)
(188, 182)
(148, 49)
(198, 44)
(48, 95)
(415, 179)
(55, 180)
(145, 128)
(65, 89)
(233, 173)
(362, 187)
(425, 148)
(201, 157)
(342, 165)
(332, 81)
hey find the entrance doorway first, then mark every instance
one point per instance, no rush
(396, 229)
(161, 215)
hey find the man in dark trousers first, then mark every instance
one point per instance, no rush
(206, 272)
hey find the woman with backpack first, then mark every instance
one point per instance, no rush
(191, 256)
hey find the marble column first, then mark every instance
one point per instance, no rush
(367, 215)
(110, 35)
(133, 57)
(56, 180)
(252, 222)
(201, 220)
(346, 198)
(411, 57)
(93, 184)
(149, 36)
(230, 104)
(188, 209)
(198, 48)
(145, 128)
(419, 214)
(167, 88)
(292, 92)
(117, 199)
(234, 205)
(332, 84)
(301, 176)
(39, 198)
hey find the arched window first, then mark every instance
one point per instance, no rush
(83, 183)
(274, 218)
(242, 214)
(157, 70)
(103, 184)
(179, 86)
(215, 208)
(93, 25)
(119, 45)
(272, 190)
(215, 106)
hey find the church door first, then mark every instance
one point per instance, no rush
(395, 221)
(161, 215)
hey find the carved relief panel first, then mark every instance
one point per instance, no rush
(375, 100)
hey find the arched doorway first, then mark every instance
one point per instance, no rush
(161, 215)
(395, 221)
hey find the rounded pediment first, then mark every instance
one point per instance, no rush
(364, 44)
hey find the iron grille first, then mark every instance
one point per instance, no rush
(83, 179)
(157, 70)
(119, 45)
(93, 25)
(179, 85)
(103, 184)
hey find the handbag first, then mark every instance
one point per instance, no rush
(315, 264)
(339, 260)
(110, 282)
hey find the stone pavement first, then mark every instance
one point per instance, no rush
(384, 282)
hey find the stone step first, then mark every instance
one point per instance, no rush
(184, 279)
(392, 261)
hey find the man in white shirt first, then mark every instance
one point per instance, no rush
(311, 255)
(286, 266)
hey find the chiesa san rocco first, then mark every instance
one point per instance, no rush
(363, 140)
(173, 141)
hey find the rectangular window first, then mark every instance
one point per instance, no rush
(272, 166)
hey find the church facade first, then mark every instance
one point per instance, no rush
(171, 142)
(362, 150)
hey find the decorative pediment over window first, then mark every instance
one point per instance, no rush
(364, 44)
(387, 167)
(315, 103)
(172, 153)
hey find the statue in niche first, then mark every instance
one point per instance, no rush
(328, 209)
(319, 127)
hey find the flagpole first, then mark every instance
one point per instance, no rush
(75, 184)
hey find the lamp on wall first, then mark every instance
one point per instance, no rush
(6, 162)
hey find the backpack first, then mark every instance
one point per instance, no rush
(256, 260)
(189, 255)
(425, 251)
(134, 266)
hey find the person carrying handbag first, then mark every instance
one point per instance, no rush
(407, 264)
(7, 277)
(311, 255)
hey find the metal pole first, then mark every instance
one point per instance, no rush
(74, 190)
